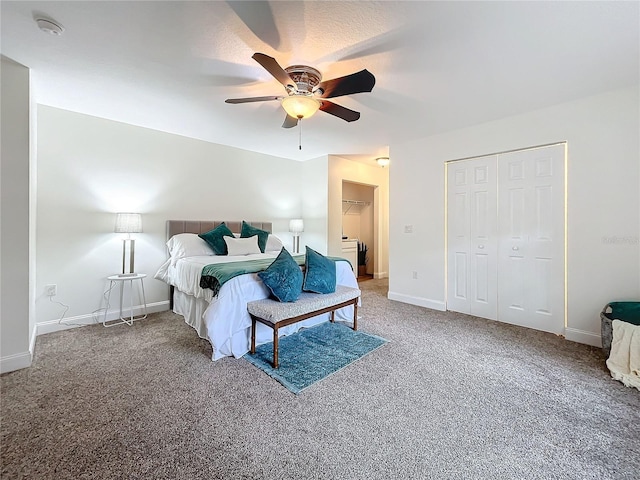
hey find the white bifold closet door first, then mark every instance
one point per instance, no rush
(472, 245)
(505, 237)
(531, 238)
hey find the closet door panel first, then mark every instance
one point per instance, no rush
(458, 231)
(484, 268)
(471, 221)
(460, 278)
(482, 286)
(531, 235)
(513, 292)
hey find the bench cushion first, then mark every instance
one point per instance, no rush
(274, 311)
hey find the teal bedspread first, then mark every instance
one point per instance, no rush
(215, 275)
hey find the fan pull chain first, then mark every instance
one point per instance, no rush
(300, 134)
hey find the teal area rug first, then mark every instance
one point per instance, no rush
(312, 354)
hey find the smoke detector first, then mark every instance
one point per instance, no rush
(49, 26)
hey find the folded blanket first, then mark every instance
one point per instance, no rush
(217, 274)
(624, 360)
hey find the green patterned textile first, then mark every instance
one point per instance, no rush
(215, 238)
(320, 273)
(217, 274)
(249, 231)
(283, 277)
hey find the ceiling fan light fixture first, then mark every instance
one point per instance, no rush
(300, 106)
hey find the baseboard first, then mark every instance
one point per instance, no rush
(581, 336)
(380, 274)
(93, 319)
(419, 301)
(15, 362)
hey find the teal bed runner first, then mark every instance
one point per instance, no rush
(215, 275)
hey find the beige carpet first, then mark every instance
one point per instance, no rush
(450, 396)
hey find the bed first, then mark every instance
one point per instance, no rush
(222, 318)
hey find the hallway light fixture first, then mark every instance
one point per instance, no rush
(383, 161)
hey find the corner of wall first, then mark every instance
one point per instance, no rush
(15, 362)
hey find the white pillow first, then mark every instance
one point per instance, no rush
(242, 246)
(274, 244)
(187, 245)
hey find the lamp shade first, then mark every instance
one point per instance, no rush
(300, 106)
(128, 223)
(296, 225)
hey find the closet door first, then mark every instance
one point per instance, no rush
(472, 240)
(531, 238)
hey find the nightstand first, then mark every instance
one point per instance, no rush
(122, 279)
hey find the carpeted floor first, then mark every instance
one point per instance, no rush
(312, 354)
(450, 396)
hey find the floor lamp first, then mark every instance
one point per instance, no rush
(128, 223)
(296, 226)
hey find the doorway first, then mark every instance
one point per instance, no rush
(358, 226)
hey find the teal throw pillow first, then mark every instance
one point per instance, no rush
(320, 273)
(249, 231)
(215, 238)
(283, 277)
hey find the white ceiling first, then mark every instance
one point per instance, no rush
(438, 65)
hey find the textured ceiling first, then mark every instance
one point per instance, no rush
(438, 65)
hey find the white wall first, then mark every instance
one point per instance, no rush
(341, 169)
(14, 212)
(314, 204)
(603, 202)
(90, 168)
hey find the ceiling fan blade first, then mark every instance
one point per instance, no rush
(274, 68)
(362, 81)
(339, 111)
(289, 122)
(251, 99)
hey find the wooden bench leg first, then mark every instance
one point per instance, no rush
(275, 347)
(253, 334)
(333, 316)
(355, 314)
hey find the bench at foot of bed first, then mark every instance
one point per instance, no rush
(277, 314)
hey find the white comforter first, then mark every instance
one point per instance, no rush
(226, 321)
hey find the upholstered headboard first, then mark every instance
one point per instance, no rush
(196, 226)
(175, 227)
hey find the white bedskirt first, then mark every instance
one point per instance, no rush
(226, 323)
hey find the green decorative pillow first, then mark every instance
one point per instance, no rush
(320, 273)
(249, 231)
(215, 238)
(283, 277)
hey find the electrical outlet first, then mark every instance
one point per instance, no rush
(415, 275)
(51, 290)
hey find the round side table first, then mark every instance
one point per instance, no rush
(122, 279)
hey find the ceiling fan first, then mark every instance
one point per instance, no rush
(306, 94)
